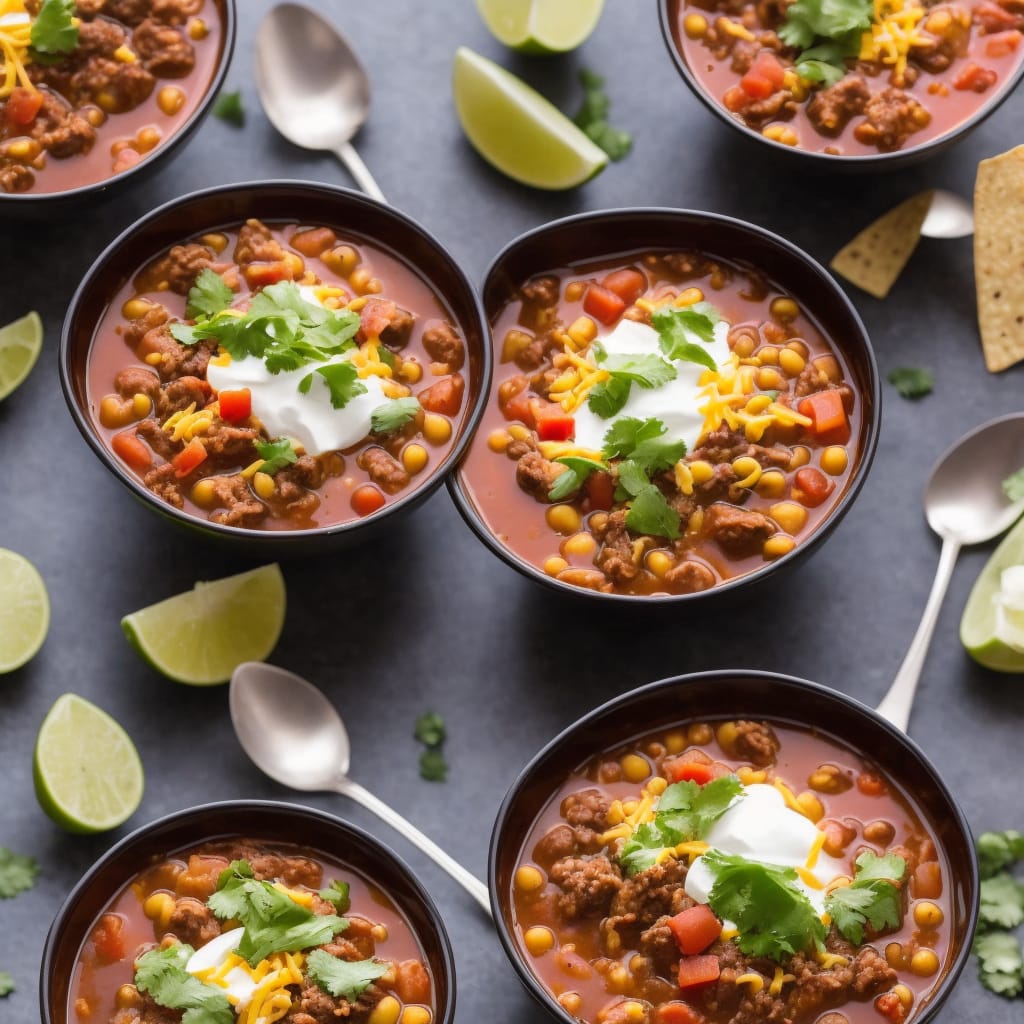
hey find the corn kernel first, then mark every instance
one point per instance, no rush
(582, 330)
(635, 768)
(581, 543)
(554, 565)
(263, 483)
(498, 440)
(571, 1002)
(659, 562)
(528, 878)
(135, 308)
(359, 279)
(701, 471)
(411, 370)
(436, 429)
(811, 806)
(379, 933)
(386, 1011)
(829, 366)
(834, 460)
(518, 432)
(539, 940)
(141, 405)
(801, 456)
(781, 133)
(128, 998)
(618, 979)
(198, 29)
(115, 412)
(751, 776)
(414, 458)
(656, 786)
(928, 914)
(23, 149)
(170, 99)
(147, 139)
(924, 963)
(777, 546)
(772, 484)
(695, 25)
(125, 55)
(203, 493)
(675, 742)
(157, 905)
(415, 1015)
(154, 359)
(895, 957)
(768, 355)
(790, 515)
(563, 519)
(791, 363)
(688, 296)
(784, 309)
(575, 290)
(905, 996)
(95, 116)
(107, 102)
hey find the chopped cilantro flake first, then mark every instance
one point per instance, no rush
(592, 118)
(433, 766)
(430, 729)
(393, 414)
(228, 107)
(6, 984)
(276, 455)
(17, 873)
(343, 979)
(53, 30)
(911, 381)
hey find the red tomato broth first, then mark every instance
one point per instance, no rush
(118, 136)
(580, 961)
(94, 988)
(342, 495)
(948, 105)
(518, 521)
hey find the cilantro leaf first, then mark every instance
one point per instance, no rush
(807, 20)
(774, 918)
(161, 973)
(675, 325)
(393, 414)
(276, 455)
(872, 898)
(1002, 902)
(433, 766)
(1013, 486)
(228, 107)
(208, 296)
(651, 513)
(648, 371)
(658, 453)
(626, 434)
(342, 381)
(592, 117)
(815, 70)
(912, 381)
(631, 477)
(52, 28)
(430, 729)
(338, 894)
(607, 397)
(343, 978)
(17, 873)
(577, 471)
(1000, 963)
(6, 984)
(274, 922)
(998, 851)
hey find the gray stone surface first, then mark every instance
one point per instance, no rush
(432, 620)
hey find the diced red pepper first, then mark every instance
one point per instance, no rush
(108, 939)
(698, 971)
(695, 929)
(827, 413)
(690, 771)
(974, 78)
(602, 304)
(811, 487)
(23, 105)
(1002, 44)
(765, 76)
(555, 428)
(132, 452)
(600, 491)
(628, 284)
(235, 406)
(189, 457)
(519, 407)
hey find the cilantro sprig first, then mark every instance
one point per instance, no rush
(6, 984)
(592, 117)
(161, 973)
(342, 381)
(871, 899)
(912, 381)
(685, 811)
(608, 397)
(338, 894)
(228, 107)
(393, 414)
(346, 979)
(53, 29)
(1000, 958)
(676, 327)
(836, 26)
(273, 921)
(208, 296)
(577, 469)
(276, 455)
(18, 873)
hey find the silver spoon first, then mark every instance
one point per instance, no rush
(293, 734)
(313, 87)
(949, 216)
(964, 504)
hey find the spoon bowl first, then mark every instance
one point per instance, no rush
(292, 733)
(949, 216)
(313, 86)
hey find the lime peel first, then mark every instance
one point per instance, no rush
(541, 26)
(21, 341)
(24, 610)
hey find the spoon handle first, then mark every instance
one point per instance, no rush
(347, 154)
(897, 702)
(469, 882)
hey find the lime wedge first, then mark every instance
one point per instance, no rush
(86, 769)
(199, 637)
(21, 341)
(988, 628)
(517, 130)
(24, 610)
(541, 26)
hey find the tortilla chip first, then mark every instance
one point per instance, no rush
(999, 258)
(876, 257)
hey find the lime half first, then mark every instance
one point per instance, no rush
(199, 637)
(24, 610)
(21, 341)
(517, 130)
(541, 26)
(992, 627)
(87, 772)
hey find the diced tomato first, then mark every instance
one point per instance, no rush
(189, 457)
(412, 983)
(735, 99)
(695, 929)
(628, 284)
(600, 491)
(259, 275)
(367, 499)
(677, 1012)
(1002, 44)
(697, 971)
(974, 78)
(108, 939)
(993, 18)
(690, 771)
(132, 451)
(235, 406)
(890, 1006)
(445, 396)
(826, 412)
(375, 316)
(602, 304)
(555, 428)
(927, 881)
(23, 105)
(126, 158)
(811, 487)
(870, 784)
(517, 408)
(765, 76)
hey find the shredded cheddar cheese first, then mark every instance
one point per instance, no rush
(892, 34)
(752, 980)
(15, 39)
(778, 981)
(368, 362)
(186, 423)
(830, 960)
(812, 856)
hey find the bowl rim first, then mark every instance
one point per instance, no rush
(460, 492)
(722, 677)
(299, 812)
(155, 156)
(847, 161)
(334, 193)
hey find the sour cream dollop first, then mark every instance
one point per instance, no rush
(238, 984)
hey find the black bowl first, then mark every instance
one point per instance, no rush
(591, 236)
(825, 161)
(255, 819)
(737, 693)
(29, 205)
(352, 212)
